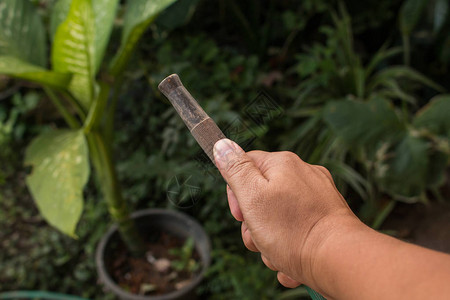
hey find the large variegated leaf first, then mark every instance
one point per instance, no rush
(104, 14)
(15, 67)
(60, 170)
(435, 116)
(139, 15)
(74, 52)
(362, 122)
(21, 32)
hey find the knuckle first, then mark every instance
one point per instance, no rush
(248, 242)
(286, 281)
(268, 263)
(290, 157)
(324, 171)
(237, 166)
(286, 159)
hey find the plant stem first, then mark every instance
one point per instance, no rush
(70, 120)
(117, 206)
(69, 98)
(97, 108)
(406, 49)
(108, 128)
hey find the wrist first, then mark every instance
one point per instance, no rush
(319, 244)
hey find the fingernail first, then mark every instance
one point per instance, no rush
(226, 150)
(222, 148)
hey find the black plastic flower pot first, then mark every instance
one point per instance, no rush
(149, 221)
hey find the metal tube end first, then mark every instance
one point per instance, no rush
(169, 84)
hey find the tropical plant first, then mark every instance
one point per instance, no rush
(434, 15)
(356, 119)
(84, 88)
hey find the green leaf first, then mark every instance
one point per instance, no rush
(408, 168)
(437, 166)
(74, 52)
(410, 14)
(349, 175)
(435, 116)
(15, 67)
(104, 14)
(59, 13)
(60, 170)
(382, 214)
(441, 12)
(381, 55)
(139, 15)
(401, 72)
(394, 91)
(22, 33)
(362, 122)
(177, 14)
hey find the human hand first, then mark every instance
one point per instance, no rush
(288, 208)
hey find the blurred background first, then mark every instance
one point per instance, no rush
(357, 86)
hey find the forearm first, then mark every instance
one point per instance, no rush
(294, 215)
(356, 262)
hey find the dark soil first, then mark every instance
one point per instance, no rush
(153, 274)
(424, 225)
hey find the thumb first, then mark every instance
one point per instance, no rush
(236, 167)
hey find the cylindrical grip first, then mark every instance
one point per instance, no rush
(206, 133)
(201, 126)
(183, 102)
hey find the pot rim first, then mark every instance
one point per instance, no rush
(111, 285)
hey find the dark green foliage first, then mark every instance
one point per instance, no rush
(36, 256)
(410, 160)
(184, 257)
(19, 19)
(235, 276)
(435, 116)
(348, 103)
(13, 128)
(358, 120)
(363, 123)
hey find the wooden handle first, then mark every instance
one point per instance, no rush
(202, 127)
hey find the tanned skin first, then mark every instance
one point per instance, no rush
(292, 213)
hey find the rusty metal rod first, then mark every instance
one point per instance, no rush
(202, 127)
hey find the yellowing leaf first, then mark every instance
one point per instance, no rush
(73, 50)
(60, 170)
(104, 14)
